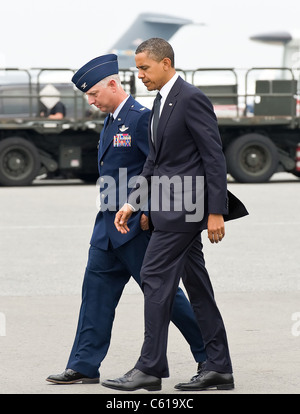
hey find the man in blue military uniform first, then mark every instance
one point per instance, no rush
(113, 257)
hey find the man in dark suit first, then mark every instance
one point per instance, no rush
(185, 144)
(113, 258)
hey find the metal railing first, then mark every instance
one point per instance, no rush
(233, 93)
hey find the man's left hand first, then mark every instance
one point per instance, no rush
(215, 228)
(144, 222)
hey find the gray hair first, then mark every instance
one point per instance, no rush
(104, 82)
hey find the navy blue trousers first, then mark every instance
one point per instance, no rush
(106, 275)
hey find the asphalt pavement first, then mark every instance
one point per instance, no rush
(44, 238)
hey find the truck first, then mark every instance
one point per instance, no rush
(33, 144)
(258, 114)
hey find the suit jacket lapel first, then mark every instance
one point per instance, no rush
(167, 111)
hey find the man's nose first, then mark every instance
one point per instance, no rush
(140, 74)
(91, 100)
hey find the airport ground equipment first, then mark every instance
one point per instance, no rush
(32, 145)
(257, 110)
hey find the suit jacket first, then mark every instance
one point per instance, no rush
(123, 148)
(188, 145)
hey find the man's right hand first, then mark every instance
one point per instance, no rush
(122, 217)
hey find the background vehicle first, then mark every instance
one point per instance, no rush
(31, 145)
(257, 110)
(258, 116)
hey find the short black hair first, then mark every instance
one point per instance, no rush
(158, 49)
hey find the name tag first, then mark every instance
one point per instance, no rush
(122, 140)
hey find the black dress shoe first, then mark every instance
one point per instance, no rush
(206, 380)
(200, 368)
(71, 377)
(134, 380)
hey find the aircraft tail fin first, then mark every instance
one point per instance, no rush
(145, 26)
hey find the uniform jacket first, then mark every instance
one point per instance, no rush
(123, 149)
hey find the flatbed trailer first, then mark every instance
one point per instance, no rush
(258, 117)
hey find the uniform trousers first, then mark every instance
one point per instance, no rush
(170, 256)
(106, 275)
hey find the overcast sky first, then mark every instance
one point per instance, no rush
(67, 33)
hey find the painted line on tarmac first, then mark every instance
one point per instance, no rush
(44, 227)
(276, 223)
(80, 226)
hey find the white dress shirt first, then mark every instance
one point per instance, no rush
(118, 110)
(165, 90)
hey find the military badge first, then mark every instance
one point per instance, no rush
(122, 140)
(123, 128)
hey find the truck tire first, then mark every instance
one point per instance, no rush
(19, 162)
(252, 158)
(296, 173)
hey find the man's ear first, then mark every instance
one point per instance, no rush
(112, 84)
(167, 64)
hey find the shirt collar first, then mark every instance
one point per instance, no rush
(118, 110)
(165, 90)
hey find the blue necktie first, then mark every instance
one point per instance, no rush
(109, 122)
(104, 136)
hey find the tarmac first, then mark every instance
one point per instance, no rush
(44, 238)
